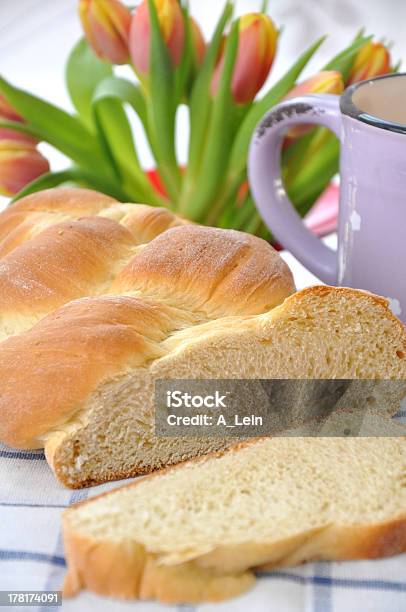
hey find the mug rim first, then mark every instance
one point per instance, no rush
(349, 108)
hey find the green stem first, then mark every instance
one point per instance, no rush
(201, 105)
(227, 198)
(219, 140)
(162, 107)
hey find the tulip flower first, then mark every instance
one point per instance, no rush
(107, 26)
(8, 113)
(372, 60)
(256, 52)
(172, 27)
(198, 41)
(20, 163)
(325, 82)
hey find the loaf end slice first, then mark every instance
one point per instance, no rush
(198, 531)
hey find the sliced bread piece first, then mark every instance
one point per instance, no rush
(195, 533)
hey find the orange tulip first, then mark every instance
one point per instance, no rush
(106, 24)
(325, 82)
(256, 52)
(172, 27)
(372, 60)
(20, 163)
(198, 41)
(8, 113)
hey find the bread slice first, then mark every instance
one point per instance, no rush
(196, 532)
(89, 369)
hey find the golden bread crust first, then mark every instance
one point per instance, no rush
(66, 261)
(144, 222)
(218, 272)
(31, 215)
(114, 571)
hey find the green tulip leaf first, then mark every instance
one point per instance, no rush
(183, 73)
(116, 135)
(84, 71)
(264, 6)
(219, 138)
(76, 176)
(56, 127)
(201, 101)
(23, 128)
(46, 181)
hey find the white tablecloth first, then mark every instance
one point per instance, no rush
(31, 557)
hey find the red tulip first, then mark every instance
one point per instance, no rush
(8, 113)
(107, 26)
(372, 60)
(256, 52)
(198, 41)
(20, 163)
(172, 27)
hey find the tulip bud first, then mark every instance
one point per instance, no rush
(20, 163)
(372, 60)
(8, 113)
(106, 24)
(172, 27)
(256, 52)
(325, 82)
(198, 41)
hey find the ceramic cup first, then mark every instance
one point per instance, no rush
(370, 122)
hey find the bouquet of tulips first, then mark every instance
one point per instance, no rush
(218, 81)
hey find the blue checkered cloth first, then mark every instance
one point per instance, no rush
(31, 557)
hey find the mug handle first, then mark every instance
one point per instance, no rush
(264, 171)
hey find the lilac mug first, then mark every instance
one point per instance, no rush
(370, 121)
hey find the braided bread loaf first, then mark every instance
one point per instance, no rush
(77, 376)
